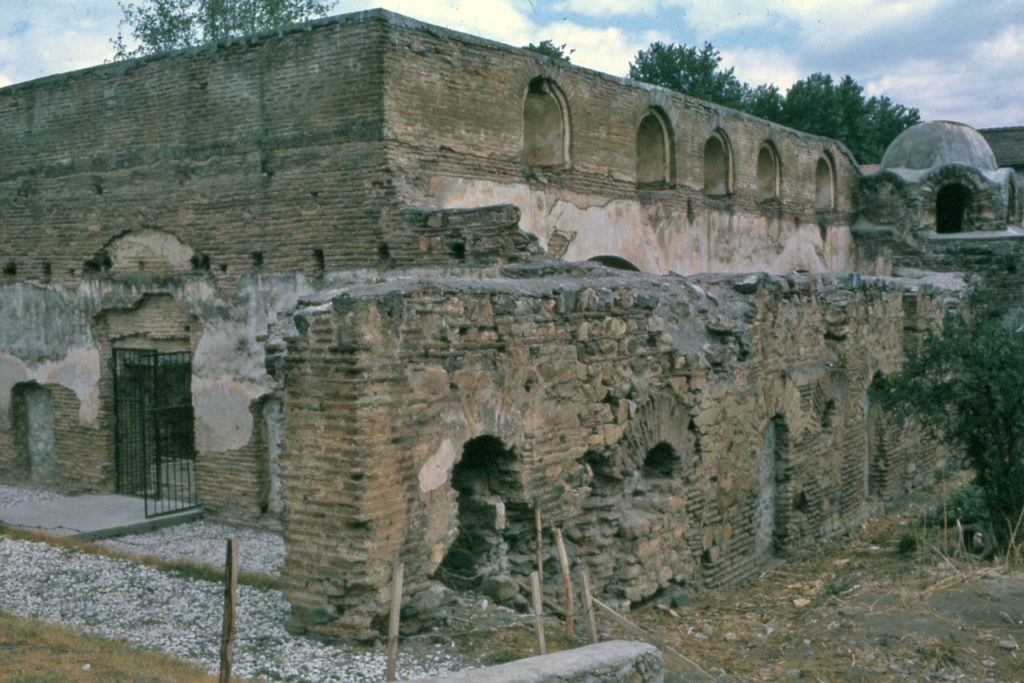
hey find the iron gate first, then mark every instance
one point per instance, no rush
(154, 437)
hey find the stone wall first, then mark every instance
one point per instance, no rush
(455, 125)
(612, 661)
(681, 431)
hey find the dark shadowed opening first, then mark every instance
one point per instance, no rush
(615, 262)
(951, 205)
(661, 461)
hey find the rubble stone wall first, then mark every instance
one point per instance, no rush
(681, 431)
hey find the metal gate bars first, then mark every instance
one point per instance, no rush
(154, 437)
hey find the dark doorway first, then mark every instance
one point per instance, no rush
(951, 207)
(154, 431)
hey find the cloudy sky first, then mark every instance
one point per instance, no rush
(952, 59)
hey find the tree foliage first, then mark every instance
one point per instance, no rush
(815, 104)
(551, 49)
(159, 25)
(966, 386)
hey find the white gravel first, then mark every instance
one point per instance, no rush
(152, 610)
(202, 542)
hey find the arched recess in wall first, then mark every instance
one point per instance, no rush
(614, 262)
(952, 208)
(654, 150)
(824, 184)
(768, 172)
(717, 165)
(1011, 202)
(545, 125)
(33, 421)
(491, 506)
(772, 488)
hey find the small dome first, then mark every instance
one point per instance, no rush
(938, 143)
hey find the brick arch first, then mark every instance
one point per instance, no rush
(718, 164)
(546, 125)
(655, 146)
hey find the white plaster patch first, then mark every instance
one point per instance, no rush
(151, 247)
(223, 418)
(78, 371)
(436, 469)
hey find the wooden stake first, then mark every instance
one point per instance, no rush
(227, 636)
(396, 613)
(540, 540)
(563, 561)
(588, 606)
(538, 618)
(673, 659)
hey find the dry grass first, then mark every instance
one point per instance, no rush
(36, 652)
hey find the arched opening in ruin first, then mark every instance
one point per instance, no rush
(270, 414)
(772, 495)
(545, 125)
(32, 412)
(824, 185)
(767, 172)
(653, 150)
(952, 204)
(662, 462)
(491, 509)
(717, 165)
(614, 262)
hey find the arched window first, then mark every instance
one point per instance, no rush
(717, 165)
(767, 172)
(545, 125)
(824, 185)
(952, 203)
(653, 150)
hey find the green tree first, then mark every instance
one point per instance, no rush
(966, 386)
(159, 25)
(551, 49)
(688, 70)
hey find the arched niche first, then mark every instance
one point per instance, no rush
(824, 184)
(717, 165)
(768, 172)
(952, 208)
(545, 125)
(653, 150)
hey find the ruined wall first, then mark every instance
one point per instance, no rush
(681, 431)
(253, 155)
(455, 121)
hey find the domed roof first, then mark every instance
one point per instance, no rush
(938, 143)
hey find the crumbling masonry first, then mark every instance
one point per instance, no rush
(383, 277)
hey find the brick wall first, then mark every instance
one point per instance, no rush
(582, 378)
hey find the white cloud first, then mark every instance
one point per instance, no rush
(756, 66)
(601, 8)
(821, 23)
(604, 49)
(502, 20)
(978, 89)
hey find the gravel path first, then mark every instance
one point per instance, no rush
(203, 542)
(151, 610)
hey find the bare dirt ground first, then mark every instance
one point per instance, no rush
(853, 609)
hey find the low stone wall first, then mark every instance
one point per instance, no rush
(616, 660)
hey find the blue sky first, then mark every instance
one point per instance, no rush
(953, 59)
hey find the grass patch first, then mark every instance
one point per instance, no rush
(33, 651)
(177, 568)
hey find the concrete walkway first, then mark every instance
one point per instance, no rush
(90, 517)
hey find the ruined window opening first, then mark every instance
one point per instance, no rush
(828, 414)
(717, 166)
(662, 461)
(767, 172)
(47, 269)
(545, 125)
(824, 185)
(614, 262)
(952, 203)
(653, 150)
(319, 261)
(32, 410)
(383, 251)
(458, 250)
(490, 503)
